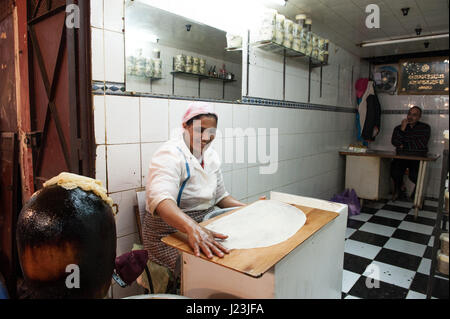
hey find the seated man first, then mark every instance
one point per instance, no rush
(409, 138)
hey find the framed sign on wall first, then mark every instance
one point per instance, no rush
(423, 76)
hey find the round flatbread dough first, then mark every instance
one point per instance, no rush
(261, 224)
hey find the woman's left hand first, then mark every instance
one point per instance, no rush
(201, 238)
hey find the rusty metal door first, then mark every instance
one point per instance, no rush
(46, 119)
(61, 123)
(8, 147)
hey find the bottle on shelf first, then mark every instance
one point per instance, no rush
(297, 32)
(141, 64)
(309, 37)
(306, 27)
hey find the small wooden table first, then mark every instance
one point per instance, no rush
(307, 265)
(370, 161)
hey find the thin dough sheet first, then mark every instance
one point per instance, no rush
(261, 224)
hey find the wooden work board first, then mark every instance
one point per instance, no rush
(256, 261)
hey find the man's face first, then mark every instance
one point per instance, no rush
(413, 116)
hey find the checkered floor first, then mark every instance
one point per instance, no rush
(385, 242)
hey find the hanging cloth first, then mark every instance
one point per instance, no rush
(361, 90)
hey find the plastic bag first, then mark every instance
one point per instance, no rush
(350, 198)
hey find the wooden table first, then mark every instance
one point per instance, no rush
(307, 265)
(371, 161)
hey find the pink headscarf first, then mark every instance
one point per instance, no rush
(198, 108)
(361, 86)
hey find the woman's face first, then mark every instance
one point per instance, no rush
(201, 133)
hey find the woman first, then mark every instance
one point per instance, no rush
(184, 184)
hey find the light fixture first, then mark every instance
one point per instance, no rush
(418, 30)
(401, 40)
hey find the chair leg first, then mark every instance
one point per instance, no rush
(149, 279)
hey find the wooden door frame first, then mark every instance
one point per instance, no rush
(81, 158)
(23, 98)
(80, 72)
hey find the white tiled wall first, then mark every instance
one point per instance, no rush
(129, 130)
(438, 123)
(308, 160)
(266, 78)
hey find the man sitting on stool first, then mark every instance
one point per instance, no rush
(409, 138)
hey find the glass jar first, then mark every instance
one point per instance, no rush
(149, 69)
(196, 65)
(279, 29)
(157, 68)
(315, 46)
(141, 64)
(131, 65)
(304, 36)
(180, 63)
(288, 35)
(202, 67)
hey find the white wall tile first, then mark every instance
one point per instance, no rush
(114, 57)
(228, 181)
(99, 119)
(122, 119)
(114, 13)
(125, 243)
(176, 112)
(124, 167)
(221, 147)
(154, 120)
(98, 55)
(147, 151)
(100, 164)
(225, 114)
(97, 13)
(240, 116)
(239, 178)
(296, 88)
(125, 219)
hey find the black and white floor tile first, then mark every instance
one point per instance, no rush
(386, 243)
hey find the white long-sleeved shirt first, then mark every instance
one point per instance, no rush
(167, 172)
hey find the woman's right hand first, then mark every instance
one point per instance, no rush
(201, 238)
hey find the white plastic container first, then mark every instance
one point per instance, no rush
(234, 41)
(180, 63)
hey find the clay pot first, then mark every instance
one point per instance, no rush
(58, 228)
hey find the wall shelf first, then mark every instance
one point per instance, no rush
(276, 48)
(270, 46)
(233, 49)
(188, 74)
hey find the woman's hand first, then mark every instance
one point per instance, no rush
(203, 239)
